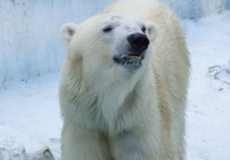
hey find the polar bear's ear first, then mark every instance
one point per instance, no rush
(153, 30)
(67, 31)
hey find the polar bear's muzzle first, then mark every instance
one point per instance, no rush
(138, 44)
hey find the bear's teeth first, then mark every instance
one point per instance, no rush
(137, 57)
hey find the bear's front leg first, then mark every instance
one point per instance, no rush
(80, 143)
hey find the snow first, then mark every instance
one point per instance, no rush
(221, 72)
(30, 107)
(208, 113)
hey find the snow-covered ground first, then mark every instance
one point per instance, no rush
(208, 113)
(32, 106)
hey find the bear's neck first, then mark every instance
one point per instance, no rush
(100, 101)
(119, 94)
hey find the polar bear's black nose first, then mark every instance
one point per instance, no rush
(138, 41)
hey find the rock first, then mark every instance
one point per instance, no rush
(10, 150)
(15, 145)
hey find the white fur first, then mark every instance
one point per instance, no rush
(67, 31)
(114, 113)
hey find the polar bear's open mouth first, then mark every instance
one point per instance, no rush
(130, 61)
(135, 56)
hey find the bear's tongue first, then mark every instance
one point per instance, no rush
(135, 56)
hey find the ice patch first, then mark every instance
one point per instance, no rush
(221, 73)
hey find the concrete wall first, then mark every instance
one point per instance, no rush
(30, 44)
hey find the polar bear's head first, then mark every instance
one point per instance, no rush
(111, 41)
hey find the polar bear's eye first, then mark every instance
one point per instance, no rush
(143, 29)
(107, 28)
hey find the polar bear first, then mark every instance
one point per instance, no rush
(123, 84)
